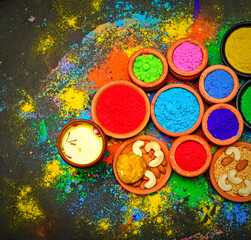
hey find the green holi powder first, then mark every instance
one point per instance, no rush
(246, 104)
(147, 68)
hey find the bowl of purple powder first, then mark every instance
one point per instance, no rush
(222, 124)
(187, 58)
(218, 84)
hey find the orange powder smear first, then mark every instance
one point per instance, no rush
(115, 68)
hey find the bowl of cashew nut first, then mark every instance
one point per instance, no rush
(230, 172)
(141, 165)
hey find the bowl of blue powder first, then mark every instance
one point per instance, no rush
(177, 110)
(218, 84)
(222, 124)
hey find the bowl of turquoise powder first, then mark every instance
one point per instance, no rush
(148, 69)
(243, 103)
(177, 110)
(218, 84)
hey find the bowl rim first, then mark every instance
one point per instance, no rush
(208, 134)
(181, 140)
(212, 176)
(120, 135)
(194, 127)
(223, 43)
(148, 86)
(165, 177)
(240, 93)
(208, 98)
(73, 164)
(187, 75)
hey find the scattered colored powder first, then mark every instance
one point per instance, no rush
(147, 68)
(238, 49)
(121, 109)
(222, 124)
(246, 104)
(187, 56)
(177, 110)
(219, 84)
(190, 155)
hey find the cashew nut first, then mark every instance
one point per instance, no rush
(152, 179)
(244, 192)
(235, 151)
(222, 183)
(232, 178)
(152, 145)
(136, 147)
(158, 160)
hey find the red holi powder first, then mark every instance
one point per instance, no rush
(115, 68)
(202, 30)
(121, 109)
(112, 149)
(190, 156)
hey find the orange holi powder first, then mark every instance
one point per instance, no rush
(115, 68)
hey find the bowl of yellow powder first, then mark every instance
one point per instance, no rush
(236, 49)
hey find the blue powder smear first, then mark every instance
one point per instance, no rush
(219, 84)
(177, 110)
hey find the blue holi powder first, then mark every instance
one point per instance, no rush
(177, 110)
(237, 215)
(219, 84)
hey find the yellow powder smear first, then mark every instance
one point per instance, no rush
(238, 49)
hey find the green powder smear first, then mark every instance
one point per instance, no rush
(246, 104)
(147, 68)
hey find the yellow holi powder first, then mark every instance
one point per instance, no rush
(97, 4)
(27, 105)
(28, 207)
(73, 100)
(131, 50)
(104, 224)
(45, 44)
(175, 28)
(238, 49)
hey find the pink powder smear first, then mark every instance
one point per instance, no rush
(187, 56)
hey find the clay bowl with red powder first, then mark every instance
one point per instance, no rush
(210, 70)
(121, 109)
(148, 86)
(222, 124)
(81, 143)
(169, 101)
(190, 155)
(163, 177)
(213, 168)
(187, 58)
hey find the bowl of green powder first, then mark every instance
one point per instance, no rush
(148, 69)
(243, 103)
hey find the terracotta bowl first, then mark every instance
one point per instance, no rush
(236, 198)
(175, 134)
(223, 45)
(187, 75)
(114, 134)
(148, 86)
(75, 123)
(126, 147)
(241, 91)
(181, 140)
(211, 100)
(208, 134)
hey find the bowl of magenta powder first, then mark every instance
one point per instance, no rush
(177, 110)
(243, 103)
(187, 58)
(190, 155)
(148, 69)
(218, 84)
(222, 124)
(121, 109)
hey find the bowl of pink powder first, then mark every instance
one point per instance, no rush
(187, 58)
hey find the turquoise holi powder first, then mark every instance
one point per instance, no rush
(219, 84)
(177, 110)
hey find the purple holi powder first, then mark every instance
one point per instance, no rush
(187, 56)
(222, 124)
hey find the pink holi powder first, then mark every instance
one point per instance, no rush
(187, 56)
